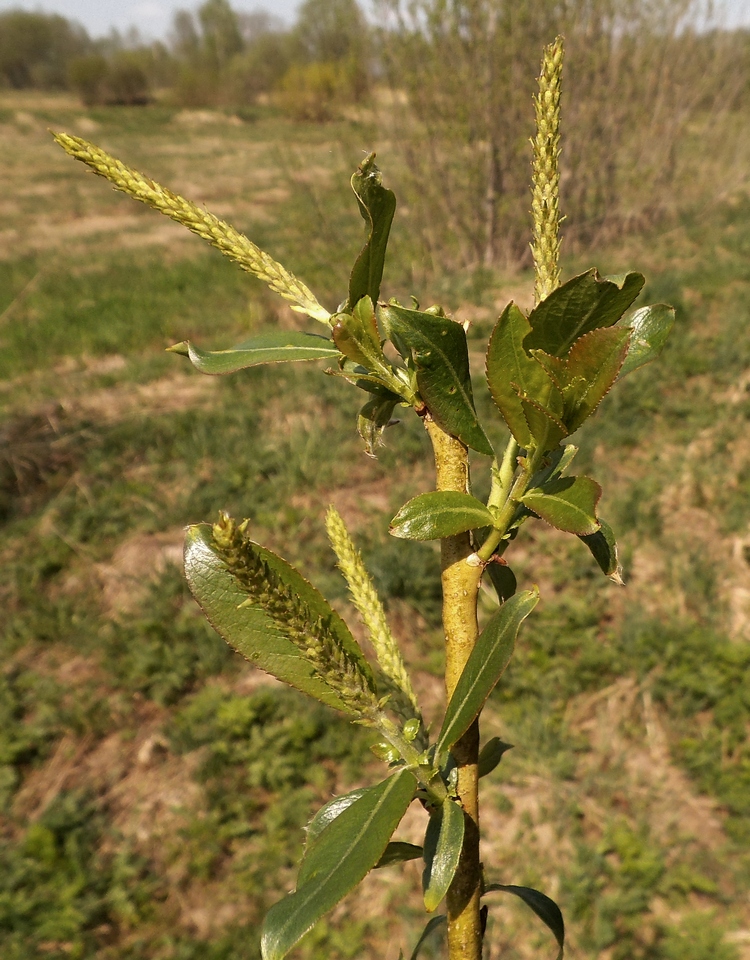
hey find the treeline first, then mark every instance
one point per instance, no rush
(651, 98)
(214, 56)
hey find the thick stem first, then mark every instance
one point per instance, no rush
(460, 583)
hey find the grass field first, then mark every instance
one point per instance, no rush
(153, 786)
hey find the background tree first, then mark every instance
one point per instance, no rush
(633, 88)
(35, 48)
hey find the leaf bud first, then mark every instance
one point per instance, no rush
(385, 752)
(411, 729)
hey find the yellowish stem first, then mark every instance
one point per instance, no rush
(460, 582)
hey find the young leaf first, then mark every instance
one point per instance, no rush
(431, 926)
(568, 503)
(374, 417)
(545, 426)
(442, 851)
(556, 463)
(377, 206)
(444, 513)
(603, 547)
(588, 372)
(545, 908)
(485, 666)
(650, 327)
(277, 346)
(511, 369)
(342, 856)
(582, 304)
(357, 336)
(399, 851)
(441, 357)
(252, 631)
(491, 754)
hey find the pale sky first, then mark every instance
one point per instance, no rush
(153, 17)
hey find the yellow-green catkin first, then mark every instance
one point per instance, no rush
(308, 631)
(367, 602)
(545, 210)
(221, 235)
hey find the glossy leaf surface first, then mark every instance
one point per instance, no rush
(328, 813)
(650, 327)
(545, 908)
(568, 503)
(491, 754)
(342, 856)
(443, 513)
(603, 547)
(277, 346)
(442, 851)
(441, 357)
(377, 206)
(485, 666)
(582, 304)
(511, 369)
(249, 629)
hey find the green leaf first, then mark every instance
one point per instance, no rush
(582, 304)
(545, 908)
(603, 547)
(328, 813)
(491, 754)
(342, 856)
(503, 580)
(650, 327)
(444, 513)
(250, 630)
(357, 336)
(276, 346)
(441, 357)
(568, 503)
(555, 464)
(547, 430)
(511, 369)
(588, 372)
(442, 850)
(398, 851)
(433, 924)
(377, 206)
(485, 666)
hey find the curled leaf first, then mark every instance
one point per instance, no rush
(545, 908)
(276, 346)
(491, 754)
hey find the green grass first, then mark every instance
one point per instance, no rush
(79, 483)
